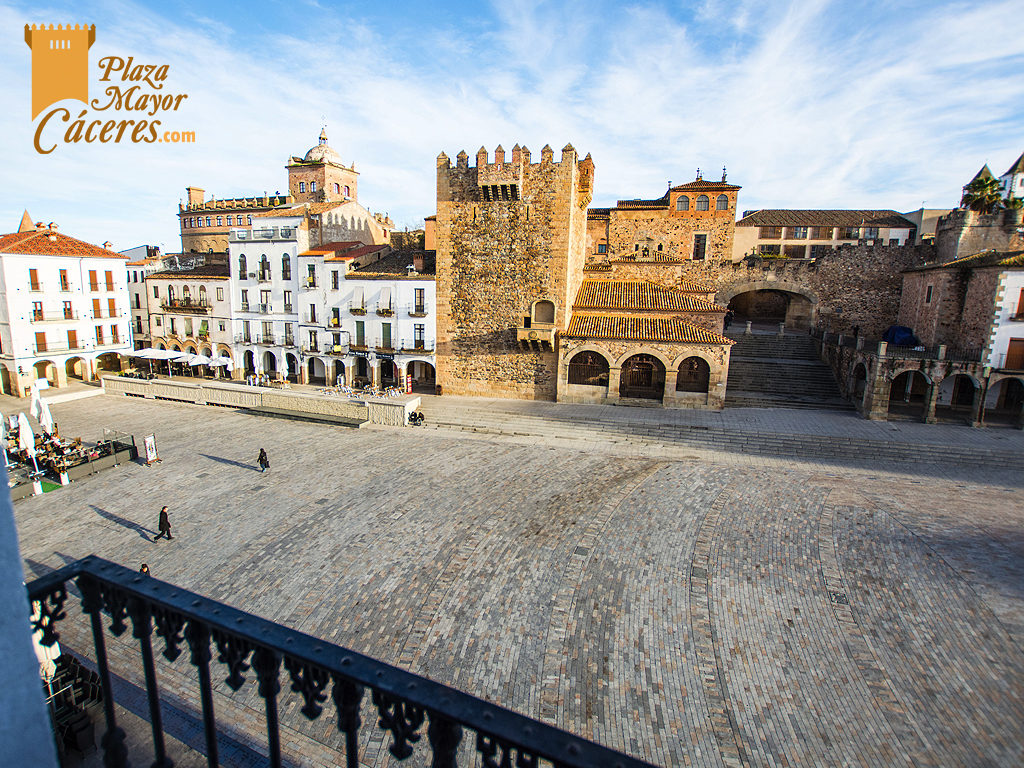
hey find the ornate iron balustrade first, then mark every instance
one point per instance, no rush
(403, 701)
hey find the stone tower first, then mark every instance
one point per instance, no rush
(321, 176)
(510, 240)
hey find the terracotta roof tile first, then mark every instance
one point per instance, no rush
(778, 217)
(354, 253)
(986, 259)
(670, 329)
(693, 286)
(44, 242)
(335, 247)
(396, 264)
(638, 295)
(704, 184)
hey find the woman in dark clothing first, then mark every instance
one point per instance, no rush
(263, 461)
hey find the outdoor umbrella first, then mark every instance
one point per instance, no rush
(46, 418)
(27, 438)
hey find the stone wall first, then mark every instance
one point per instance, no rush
(495, 258)
(964, 232)
(961, 311)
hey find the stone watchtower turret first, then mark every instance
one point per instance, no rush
(60, 63)
(510, 242)
(321, 176)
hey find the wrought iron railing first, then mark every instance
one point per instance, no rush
(403, 702)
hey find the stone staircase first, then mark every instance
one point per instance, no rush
(771, 371)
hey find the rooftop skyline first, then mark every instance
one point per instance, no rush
(809, 105)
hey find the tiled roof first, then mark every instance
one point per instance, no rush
(670, 329)
(397, 264)
(44, 242)
(598, 213)
(635, 257)
(205, 271)
(704, 184)
(1017, 167)
(692, 286)
(776, 217)
(983, 174)
(354, 253)
(661, 202)
(335, 247)
(985, 259)
(638, 295)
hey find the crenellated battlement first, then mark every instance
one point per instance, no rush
(215, 204)
(506, 176)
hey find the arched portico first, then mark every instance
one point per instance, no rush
(771, 301)
(642, 377)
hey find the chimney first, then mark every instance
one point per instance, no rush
(417, 261)
(107, 245)
(40, 226)
(52, 227)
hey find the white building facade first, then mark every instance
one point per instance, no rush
(190, 311)
(64, 309)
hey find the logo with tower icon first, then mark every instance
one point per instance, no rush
(60, 63)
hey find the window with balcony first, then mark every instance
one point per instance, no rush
(335, 316)
(97, 309)
(288, 302)
(115, 335)
(335, 280)
(312, 313)
(289, 337)
(99, 336)
(360, 333)
(286, 267)
(703, 202)
(33, 280)
(94, 281)
(64, 284)
(311, 275)
(419, 302)
(37, 310)
(112, 307)
(245, 300)
(241, 266)
(385, 335)
(268, 332)
(109, 280)
(202, 295)
(170, 294)
(246, 332)
(68, 312)
(312, 340)
(419, 335)
(40, 342)
(188, 326)
(73, 339)
(264, 268)
(173, 328)
(138, 326)
(722, 203)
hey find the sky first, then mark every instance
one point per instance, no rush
(808, 104)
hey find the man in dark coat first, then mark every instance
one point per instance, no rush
(263, 461)
(164, 526)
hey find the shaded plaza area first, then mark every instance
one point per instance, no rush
(689, 612)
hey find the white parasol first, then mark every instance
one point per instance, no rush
(46, 418)
(26, 437)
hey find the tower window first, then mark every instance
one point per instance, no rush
(346, 191)
(337, 188)
(312, 186)
(302, 186)
(703, 203)
(683, 203)
(722, 203)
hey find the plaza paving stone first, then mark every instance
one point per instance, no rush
(694, 608)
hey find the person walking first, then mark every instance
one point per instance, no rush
(164, 526)
(263, 461)
(728, 319)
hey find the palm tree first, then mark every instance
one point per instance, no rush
(983, 195)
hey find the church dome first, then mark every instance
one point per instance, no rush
(322, 153)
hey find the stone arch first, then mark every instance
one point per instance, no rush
(77, 368)
(249, 362)
(794, 304)
(190, 348)
(205, 350)
(291, 367)
(108, 361)
(269, 363)
(424, 375)
(956, 395)
(588, 367)
(908, 392)
(316, 371)
(693, 374)
(8, 381)
(640, 350)
(223, 350)
(642, 376)
(46, 369)
(1004, 401)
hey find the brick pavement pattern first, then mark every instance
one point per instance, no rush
(717, 610)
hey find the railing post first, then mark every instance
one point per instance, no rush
(267, 664)
(198, 637)
(749, 329)
(347, 697)
(445, 735)
(115, 754)
(941, 353)
(142, 629)
(883, 346)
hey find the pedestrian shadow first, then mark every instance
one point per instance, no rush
(222, 460)
(142, 530)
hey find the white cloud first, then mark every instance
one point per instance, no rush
(809, 104)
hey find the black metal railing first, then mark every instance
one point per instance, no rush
(402, 702)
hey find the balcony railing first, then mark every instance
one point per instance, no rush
(53, 317)
(311, 320)
(36, 286)
(334, 322)
(407, 705)
(288, 309)
(264, 309)
(186, 306)
(417, 310)
(268, 340)
(244, 306)
(310, 282)
(417, 346)
(288, 342)
(50, 348)
(241, 338)
(265, 277)
(359, 345)
(356, 309)
(386, 346)
(336, 349)
(385, 310)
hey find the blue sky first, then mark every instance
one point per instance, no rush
(809, 104)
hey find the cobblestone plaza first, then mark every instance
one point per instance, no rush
(687, 611)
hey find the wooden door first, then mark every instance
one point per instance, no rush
(1015, 355)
